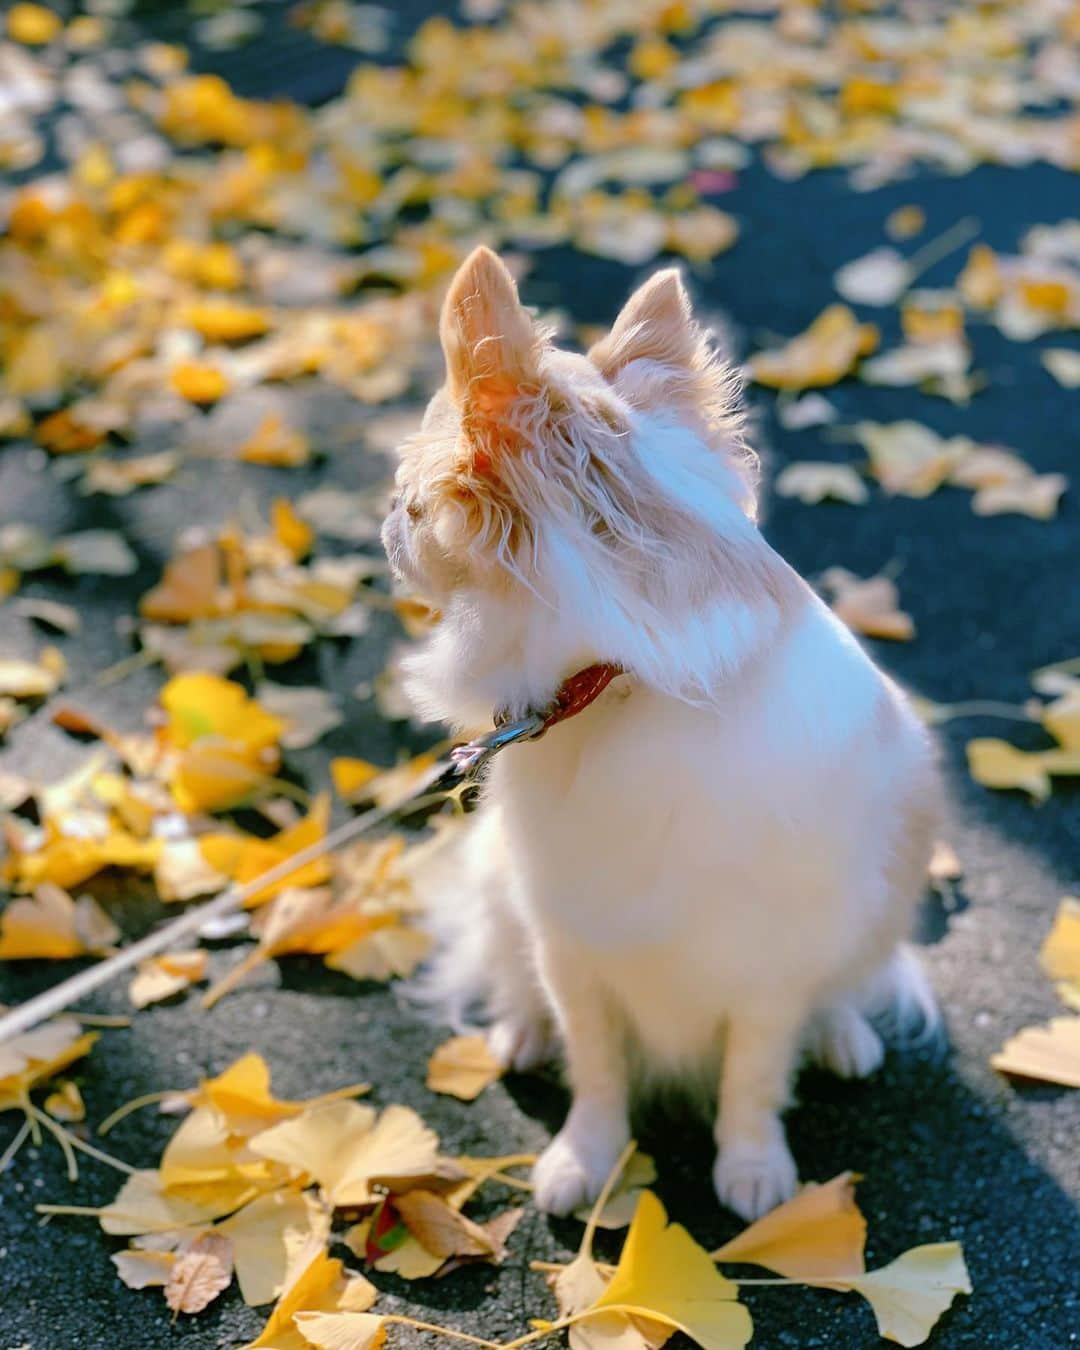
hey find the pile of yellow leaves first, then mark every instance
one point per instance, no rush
(250, 597)
(250, 1183)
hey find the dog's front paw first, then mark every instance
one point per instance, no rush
(522, 1043)
(568, 1174)
(752, 1180)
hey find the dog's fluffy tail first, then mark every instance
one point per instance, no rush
(898, 999)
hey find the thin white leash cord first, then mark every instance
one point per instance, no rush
(462, 767)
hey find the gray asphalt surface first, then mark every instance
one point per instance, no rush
(948, 1148)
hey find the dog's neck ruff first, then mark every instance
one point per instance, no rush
(573, 696)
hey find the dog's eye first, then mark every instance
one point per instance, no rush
(414, 510)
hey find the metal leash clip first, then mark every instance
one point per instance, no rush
(468, 761)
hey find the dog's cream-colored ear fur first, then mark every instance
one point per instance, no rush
(490, 342)
(655, 324)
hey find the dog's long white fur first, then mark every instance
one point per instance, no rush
(715, 865)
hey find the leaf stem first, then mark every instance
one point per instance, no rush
(956, 236)
(601, 1200)
(982, 707)
(62, 1138)
(136, 1103)
(73, 1141)
(403, 1321)
(16, 1144)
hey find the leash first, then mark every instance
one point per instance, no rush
(462, 767)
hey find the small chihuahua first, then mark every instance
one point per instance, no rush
(711, 867)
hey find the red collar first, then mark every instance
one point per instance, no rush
(577, 691)
(574, 695)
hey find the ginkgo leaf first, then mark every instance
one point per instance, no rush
(911, 1293)
(341, 1331)
(53, 926)
(307, 713)
(621, 1204)
(29, 679)
(870, 606)
(462, 1067)
(143, 1270)
(880, 277)
(997, 764)
(827, 351)
(244, 858)
(909, 458)
(241, 1094)
(350, 776)
(1059, 955)
(394, 950)
(32, 1058)
(663, 1274)
(162, 976)
(813, 482)
(257, 1233)
(987, 466)
(348, 1151)
(819, 1234)
(1037, 496)
(940, 366)
(65, 1103)
(188, 588)
(142, 1205)
(202, 1270)
(1050, 1053)
(118, 477)
(812, 410)
(314, 1282)
(97, 552)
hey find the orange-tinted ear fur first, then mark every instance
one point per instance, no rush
(655, 324)
(492, 349)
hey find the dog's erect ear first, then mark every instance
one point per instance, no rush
(491, 344)
(655, 324)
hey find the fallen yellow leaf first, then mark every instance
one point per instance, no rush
(870, 606)
(812, 482)
(997, 764)
(1050, 1053)
(162, 976)
(664, 1275)
(819, 1234)
(349, 1150)
(313, 1283)
(52, 926)
(199, 382)
(32, 25)
(462, 1067)
(911, 1293)
(827, 351)
(243, 858)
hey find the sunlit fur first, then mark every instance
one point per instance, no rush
(714, 864)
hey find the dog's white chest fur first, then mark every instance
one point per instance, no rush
(692, 858)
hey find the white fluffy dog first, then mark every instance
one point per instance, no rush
(712, 865)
